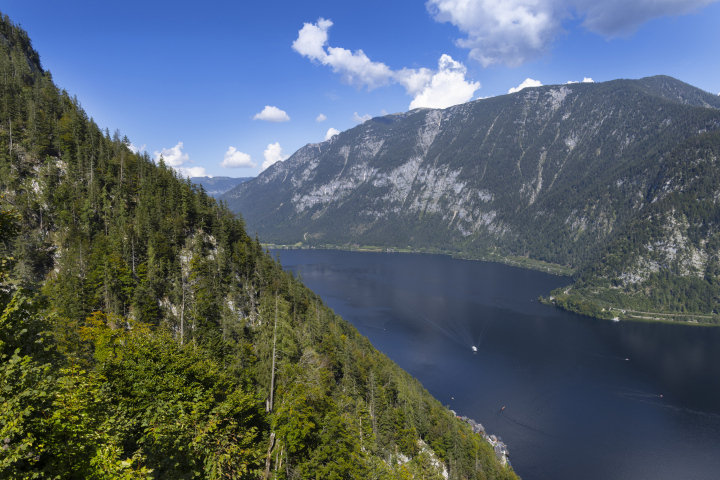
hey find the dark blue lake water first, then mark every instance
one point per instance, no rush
(574, 406)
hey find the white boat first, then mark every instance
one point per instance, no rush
(474, 348)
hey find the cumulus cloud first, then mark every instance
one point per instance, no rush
(447, 87)
(236, 159)
(502, 32)
(358, 119)
(321, 118)
(331, 133)
(529, 82)
(193, 172)
(175, 158)
(414, 80)
(513, 32)
(135, 149)
(584, 80)
(442, 88)
(273, 154)
(312, 39)
(355, 67)
(272, 114)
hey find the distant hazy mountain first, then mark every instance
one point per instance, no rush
(216, 186)
(554, 173)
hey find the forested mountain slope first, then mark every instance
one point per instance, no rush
(554, 174)
(666, 259)
(144, 334)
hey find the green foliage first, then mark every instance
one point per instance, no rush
(188, 417)
(156, 413)
(666, 260)
(144, 333)
(578, 304)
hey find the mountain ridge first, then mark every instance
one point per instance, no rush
(550, 173)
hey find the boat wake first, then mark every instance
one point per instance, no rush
(458, 329)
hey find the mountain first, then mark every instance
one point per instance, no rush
(216, 186)
(548, 175)
(664, 264)
(144, 334)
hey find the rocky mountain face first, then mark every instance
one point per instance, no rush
(617, 181)
(666, 258)
(547, 172)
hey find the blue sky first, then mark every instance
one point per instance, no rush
(205, 83)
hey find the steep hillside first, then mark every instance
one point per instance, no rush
(144, 334)
(552, 173)
(666, 260)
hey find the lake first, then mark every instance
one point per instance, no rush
(584, 398)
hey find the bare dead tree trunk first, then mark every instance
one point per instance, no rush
(107, 294)
(269, 456)
(272, 375)
(132, 244)
(372, 400)
(182, 306)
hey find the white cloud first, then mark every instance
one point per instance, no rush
(355, 67)
(358, 119)
(312, 39)
(435, 89)
(272, 114)
(135, 149)
(447, 87)
(414, 80)
(174, 156)
(236, 159)
(273, 154)
(502, 32)
(529, 82)
(321, 118)
(331, 133)
(192, 172)
(513, 32)
(584, 80)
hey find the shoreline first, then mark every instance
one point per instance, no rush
(573, 303)
(622, 314)
(521, 262)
